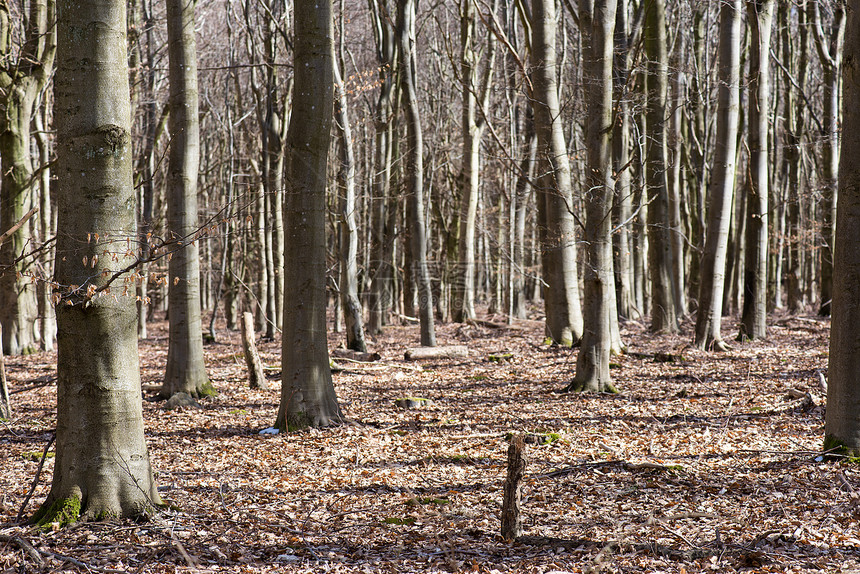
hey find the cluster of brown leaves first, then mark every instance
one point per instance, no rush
(709, 462)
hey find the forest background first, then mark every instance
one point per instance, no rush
(633, 166)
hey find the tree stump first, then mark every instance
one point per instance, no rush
(256, 376)
(511, 523)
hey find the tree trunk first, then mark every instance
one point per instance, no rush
(842, 419)
(713, 266)
(463, 287)
(664, 315)
(350, 304)
(592, 364)
(186, 371)
(415, 170)
(102, 465)
(558, 237)
(754, 314)
(307, 393)
(830, 53)
(623, 205)
(21, 83)
(382, 214)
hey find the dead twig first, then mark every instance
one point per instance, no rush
(35, 478)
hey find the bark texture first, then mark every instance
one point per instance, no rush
(186, 370)
(842, 419)
(597, 22)
(721, 191)
(102, 465)
(307, 393)
(555, 193)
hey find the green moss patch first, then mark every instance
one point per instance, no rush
(62, 512)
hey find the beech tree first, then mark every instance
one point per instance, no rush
(829, 48)
(664, 315)
(307, 393)
(102, 466)
(754, 315)
(554, 188)
(186, 371)
(722, 185)
(24, 72)
(842, 419)
(597, 22)
(415, 169)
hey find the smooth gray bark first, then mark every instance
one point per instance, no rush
(415, 170)
(564, 322)
(754, 314)
(829, 47)
(186, 370)
(664, 315)
(21, 84)
(102, 466)
(722, 187)
(383, 207)
(307, 393)
(350, 304)
(597, 22)
(842, 419)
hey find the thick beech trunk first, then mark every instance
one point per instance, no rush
(102, 465)
(842, 420)
(307, 393)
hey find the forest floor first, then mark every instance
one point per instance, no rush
(710, 462)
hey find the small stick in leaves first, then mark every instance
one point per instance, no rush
(511, 524)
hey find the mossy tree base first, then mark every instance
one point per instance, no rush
(834, 447)
(63, 511)
(590, 386)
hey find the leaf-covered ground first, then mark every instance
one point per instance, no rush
(710, 462)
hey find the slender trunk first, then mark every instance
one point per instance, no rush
(830, 53)
(350, 304)
(754, 315)
(713, 266)
(664, 314)
(21, 83)
(564, 323)
(415, 170)
(592, 364)
(186, 371)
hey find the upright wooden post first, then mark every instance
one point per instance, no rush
(511, 523)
